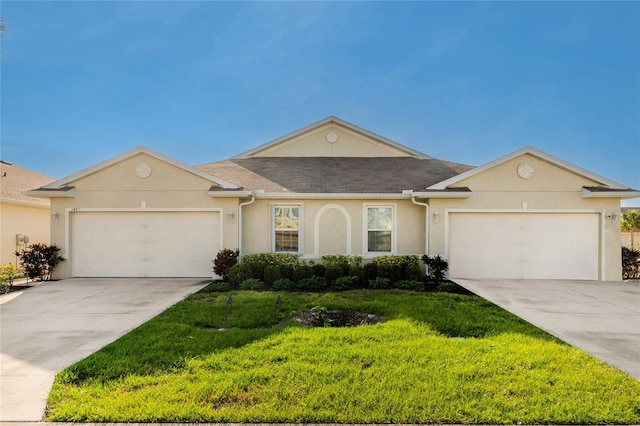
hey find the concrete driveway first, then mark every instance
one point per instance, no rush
(49, 327)
(600, 317)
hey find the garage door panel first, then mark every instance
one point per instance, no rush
(524, 245)
(144, 244)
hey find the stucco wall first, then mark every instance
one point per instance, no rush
(347, 144)
(31, 221)
(549, 189)
(410, 236)
(118, 187)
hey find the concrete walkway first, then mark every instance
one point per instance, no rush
(49, 327)
(601, 318)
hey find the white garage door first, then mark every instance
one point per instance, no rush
(523, 245)
(144, 244)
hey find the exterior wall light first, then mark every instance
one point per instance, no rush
(231, 217)
(436, 217)
(56, 217)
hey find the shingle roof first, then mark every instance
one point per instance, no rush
(334, 174)
(15, 179)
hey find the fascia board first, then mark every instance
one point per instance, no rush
(230, 194)
(336, 120)
(126, 155)
(442, 194)
(610, 194)
(331, 196)
(536, 153)
(51, 193)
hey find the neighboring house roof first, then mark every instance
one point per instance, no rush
(15, 180)
(331, 175)
(332, 120)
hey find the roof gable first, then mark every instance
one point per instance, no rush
(331, 137)
(579, 172)
(66, 182)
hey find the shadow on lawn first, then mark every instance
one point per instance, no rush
(206, 323)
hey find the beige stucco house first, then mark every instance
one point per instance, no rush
(23, 219)
(333, 187)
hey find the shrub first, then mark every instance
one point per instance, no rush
(39, 260)
(223, 262)
(271, 274)
(318, 270)
(251, 284)
(436, 267)
(312, 283)
(345, 283)
(412, 285)
(287, 271)
(630, 263)
(8, 273)
(380, 283)
(398, 267)
(370, 271)
(280, 259)
(4, 287)
(357, 272)
(302, 272)
(259, 262)
(333, 272)
(238, 273)
(341, 260)
(413, 272)
(284, 284)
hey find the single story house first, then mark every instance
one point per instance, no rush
(23, 219)
(333, 187)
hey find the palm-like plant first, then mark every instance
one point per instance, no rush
(630, 222)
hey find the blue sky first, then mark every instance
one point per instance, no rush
(201, 81)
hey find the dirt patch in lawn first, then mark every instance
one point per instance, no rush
(337, 318)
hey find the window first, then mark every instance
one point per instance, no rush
(286, 228)
(380, 229)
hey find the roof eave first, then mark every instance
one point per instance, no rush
(622, 194)
(443, 194)
(405, 195)
(230, 194)
(44, 192)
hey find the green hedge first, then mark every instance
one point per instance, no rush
(285, 271)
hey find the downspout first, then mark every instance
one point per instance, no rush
(240, 206)
(426, 223)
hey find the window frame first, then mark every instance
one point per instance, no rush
(394, 230)
(272, 226)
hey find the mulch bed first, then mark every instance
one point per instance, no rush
(338, 318)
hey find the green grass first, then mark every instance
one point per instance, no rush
(441, 358)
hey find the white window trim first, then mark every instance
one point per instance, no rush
(365, 230)
(272, 229)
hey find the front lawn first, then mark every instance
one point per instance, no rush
(440, 358)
